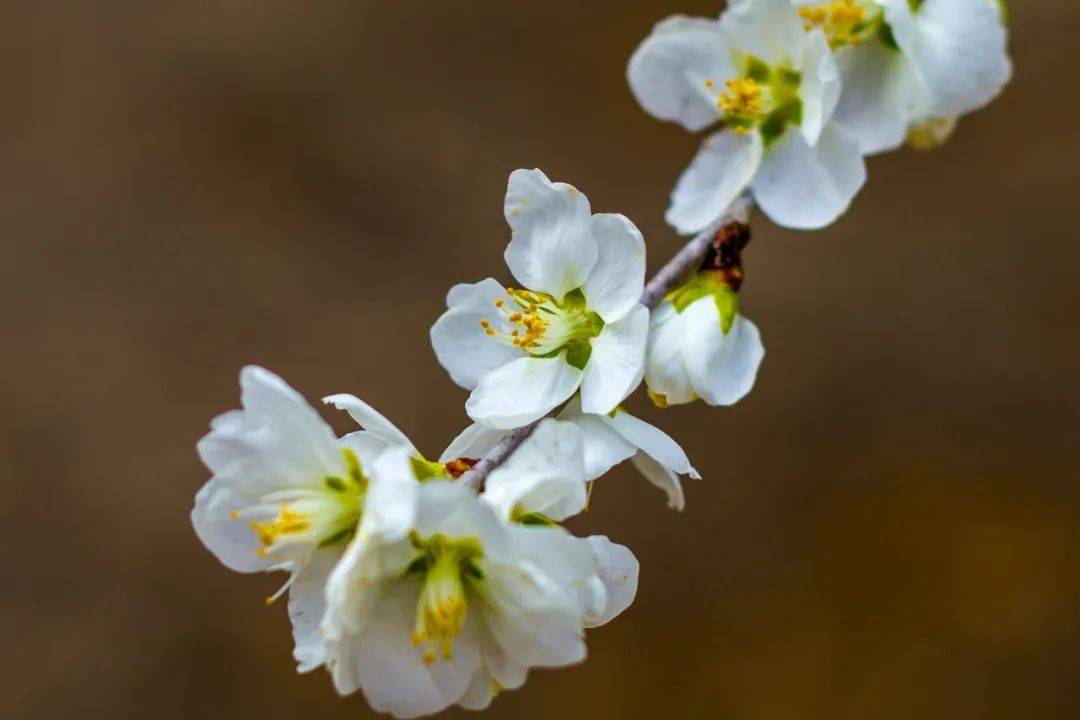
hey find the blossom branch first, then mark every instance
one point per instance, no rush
(683, 263)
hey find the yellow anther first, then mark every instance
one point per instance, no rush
(442, 607)
(234, 514)
(743, 96)
(485, 324)
(709, 83)
(286, 523)
(844, 22)
(499, 303)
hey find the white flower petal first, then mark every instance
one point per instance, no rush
(617, 363)
(652, 441)
(668, 71)
(720, 171)
(545, 475)
(723, 367)
(224, 442)
(552, 250)
(354, 589)
(450, 509)
(367, 446)
(370, 419)
(230, 540)
(618, 278)
(474, 442)
(662, 478)
(618, 570)
(602, 447)
(383, 662)
(820, 89)
(665, 371)
(390, 507)
(874, 106)
(523, 391)
(307, 604)
(769, 29)
(278, 441)
(533, 614)
(805, 187)
(461, 344)
(958, 49)
(480, 693)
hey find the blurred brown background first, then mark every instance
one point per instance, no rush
(887, 527)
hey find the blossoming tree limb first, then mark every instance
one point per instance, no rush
(427, 583)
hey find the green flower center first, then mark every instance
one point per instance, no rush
(763, 97)
(312, 517)
(545, 327)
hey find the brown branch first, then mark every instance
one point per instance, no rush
(686, 261)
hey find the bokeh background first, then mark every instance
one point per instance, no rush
(887, 527)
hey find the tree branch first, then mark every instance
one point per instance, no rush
(685, 262)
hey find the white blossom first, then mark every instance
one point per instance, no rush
(575, 323)
(700, 347)
(773, 88)
(910, 68)
(438, 601)
(286, 495)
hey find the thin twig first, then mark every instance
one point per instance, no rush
(685, 262)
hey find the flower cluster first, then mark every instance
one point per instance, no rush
(803, 89)
(430, 583)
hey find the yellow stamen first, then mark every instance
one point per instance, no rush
(442, 608)
(286, 523)
(742, 102)
(743, 95)
(844, 22)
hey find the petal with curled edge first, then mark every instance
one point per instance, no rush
(552, 250)
(662, 478)
(669, 71)
(370, 420)
(652, 441)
